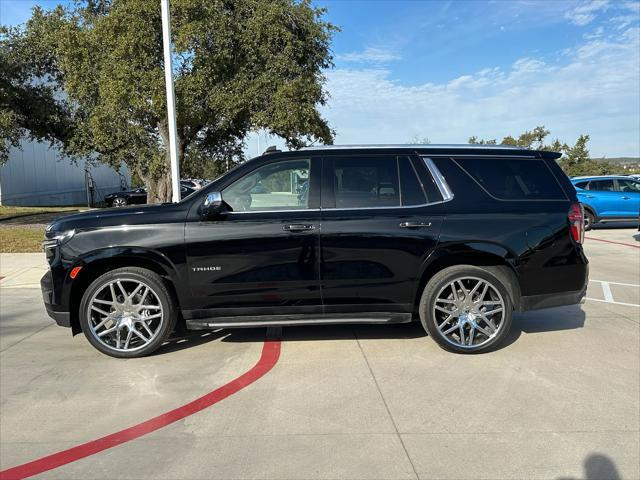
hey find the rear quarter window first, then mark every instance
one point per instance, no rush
(514, 179)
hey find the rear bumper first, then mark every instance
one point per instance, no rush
(536, 302)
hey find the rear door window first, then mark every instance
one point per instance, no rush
(514, 179)
(602, 185)
(629, 186)
(361, 182)
(411, 190)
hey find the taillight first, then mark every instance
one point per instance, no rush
(576, 222)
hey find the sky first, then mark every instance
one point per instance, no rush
(447, 70)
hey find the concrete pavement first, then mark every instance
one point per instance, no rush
(560, 401)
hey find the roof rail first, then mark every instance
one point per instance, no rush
(425, 146)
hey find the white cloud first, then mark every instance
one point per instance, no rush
(595, 91)
(585, 12)
(370, 55)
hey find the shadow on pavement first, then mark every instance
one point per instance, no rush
(540, 321)
(598, 467)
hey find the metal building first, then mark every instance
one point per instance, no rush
(38, 175)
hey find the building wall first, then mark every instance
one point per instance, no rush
(38, 175)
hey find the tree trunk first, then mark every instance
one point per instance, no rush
(158, 187)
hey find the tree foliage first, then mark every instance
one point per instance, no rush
(575, 159)
(239, 66)
(28, 108)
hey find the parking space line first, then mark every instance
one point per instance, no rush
(268, 359)
(612, 302)
(606, 292)
(615, 283)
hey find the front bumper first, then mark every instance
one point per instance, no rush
(62, 318)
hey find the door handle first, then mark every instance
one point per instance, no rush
(298, 227)
(626, 198)
(415, 224)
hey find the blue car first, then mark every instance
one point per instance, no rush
(608, 198)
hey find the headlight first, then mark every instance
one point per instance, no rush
(58, 239)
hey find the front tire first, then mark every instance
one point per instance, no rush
(119, 202)
(466, 309)
(127, 312)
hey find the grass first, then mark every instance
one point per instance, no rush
(20, 239)
(7, 211)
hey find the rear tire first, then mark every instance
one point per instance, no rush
(120, 202)
(127, 312)
(589, 220)
(466, 309)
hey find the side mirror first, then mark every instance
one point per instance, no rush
(213, 206)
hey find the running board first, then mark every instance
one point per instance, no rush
(303, 319)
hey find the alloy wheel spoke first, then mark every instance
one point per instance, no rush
(124, 292)
(128, 339)
(450, 330)
(135, 291)
(143, 297)
(146, 327)
(140, 335)
(99, 310)
(445, 321)
(101, 324)
(107, 331)
(461, 333)
(471, 335)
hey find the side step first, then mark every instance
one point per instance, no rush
(303, 319)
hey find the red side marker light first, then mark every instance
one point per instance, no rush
(74, 272)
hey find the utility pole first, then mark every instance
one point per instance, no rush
(171, 102)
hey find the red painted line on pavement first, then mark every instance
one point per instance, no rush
(268, 359)
(611, 241)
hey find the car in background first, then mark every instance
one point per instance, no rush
(137, 196)
(610, 198)
(194, 183)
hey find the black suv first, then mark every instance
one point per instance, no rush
(458, 237)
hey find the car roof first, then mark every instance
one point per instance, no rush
(600, 177)
(429, 149)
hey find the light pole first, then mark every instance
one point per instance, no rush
(171, 102)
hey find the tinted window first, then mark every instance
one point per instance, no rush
(602, 185)
(366, 182)
(509, 179)
(411, 190)
(629, 186)
(582, 185)
(277, 186)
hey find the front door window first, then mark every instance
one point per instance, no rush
(276, 186)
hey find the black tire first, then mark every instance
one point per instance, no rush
(119, 202)
(589, 220)
(443, 280)
(159, 290)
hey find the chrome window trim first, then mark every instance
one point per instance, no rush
(441, 183)
(273, 211)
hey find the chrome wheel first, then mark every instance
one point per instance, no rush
(469, 312)
(125, 315)
(119, 202)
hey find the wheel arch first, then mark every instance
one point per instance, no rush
(495, 258)
(102, 261)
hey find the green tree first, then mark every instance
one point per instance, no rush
(239, 66)
(575, 160)
(28, 109)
